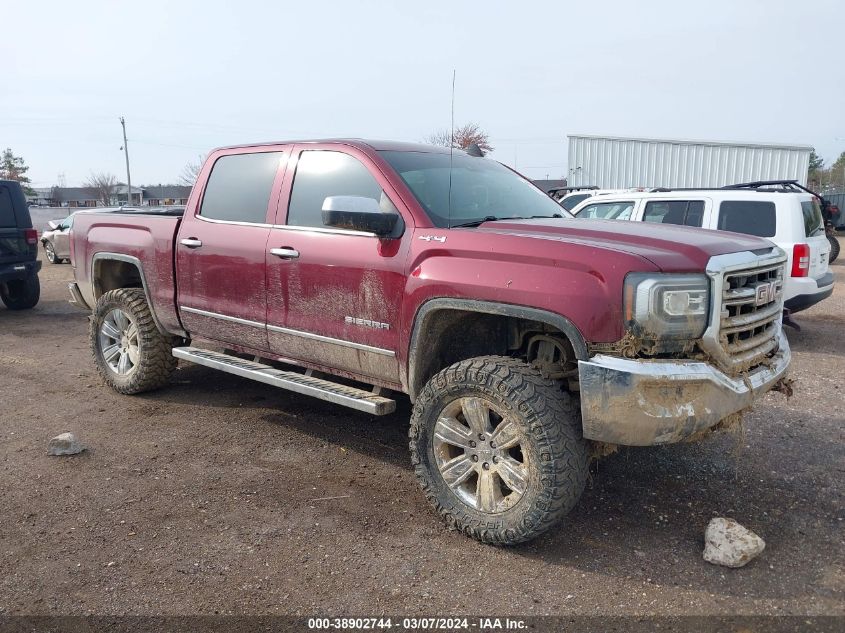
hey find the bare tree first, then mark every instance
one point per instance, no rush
(191, 172)
(464, 136)
(101, 185)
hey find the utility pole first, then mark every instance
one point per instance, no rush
(126, 152)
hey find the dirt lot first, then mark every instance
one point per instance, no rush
(219, 495)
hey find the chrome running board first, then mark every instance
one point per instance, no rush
(351, 397)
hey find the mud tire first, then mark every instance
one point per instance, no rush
(21, 294)
(834, 248)
(156, 361)
(549, 421)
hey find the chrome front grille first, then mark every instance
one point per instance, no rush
(750, 314)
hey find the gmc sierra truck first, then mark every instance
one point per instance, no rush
(352, 271)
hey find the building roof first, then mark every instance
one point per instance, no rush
(69, 194)
(164, 192)
(674, 141)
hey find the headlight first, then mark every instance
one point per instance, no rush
(667, 306)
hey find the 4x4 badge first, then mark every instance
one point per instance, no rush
(436, 238)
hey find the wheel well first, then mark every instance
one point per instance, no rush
(111, 274)
(447, 336)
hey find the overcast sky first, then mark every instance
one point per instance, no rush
(190, 76)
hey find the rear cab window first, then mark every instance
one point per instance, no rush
(239, 187)
(7, 210)
(752, 217)
(608, 210)
(680, 212)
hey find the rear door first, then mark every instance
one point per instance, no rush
(335, 294)
(811, 215)
(14, 246)
(61, 242)
(220, 263)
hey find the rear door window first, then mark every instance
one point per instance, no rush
(239, 186)
(7, 210)
(608, 210)
(681, 212)
(752, 217)
(813, 222)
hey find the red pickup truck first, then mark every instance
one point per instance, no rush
(352, 270)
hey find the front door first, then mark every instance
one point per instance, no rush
(220, 250)
(334, 295)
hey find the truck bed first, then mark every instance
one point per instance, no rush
(145, 236)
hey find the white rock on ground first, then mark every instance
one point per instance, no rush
(65, 444)
(727, 543)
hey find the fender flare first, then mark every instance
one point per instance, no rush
(134, 261)
(579, 345)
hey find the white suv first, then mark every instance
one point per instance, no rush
(789, 217)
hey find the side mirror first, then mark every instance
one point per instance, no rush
(358, 213)
(53, 224)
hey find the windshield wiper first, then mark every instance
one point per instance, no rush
(489, 218)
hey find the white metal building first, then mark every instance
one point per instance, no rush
(613, 163)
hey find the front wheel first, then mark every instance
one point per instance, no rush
(50, 251)
(21, 294)
(130, 352)
(498, 449)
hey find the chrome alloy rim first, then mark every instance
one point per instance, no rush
(51, 252)
(480, 456)
(119, 342)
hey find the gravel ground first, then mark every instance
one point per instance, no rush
(219, 495)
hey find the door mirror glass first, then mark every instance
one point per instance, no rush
(358, 213)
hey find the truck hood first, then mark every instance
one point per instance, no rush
(669, 247)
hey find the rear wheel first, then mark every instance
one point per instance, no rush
(50, 251)
(130, 352)
(834, 248)
(498, 449)
(21, 294)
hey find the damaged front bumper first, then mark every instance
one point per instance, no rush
(647, 402)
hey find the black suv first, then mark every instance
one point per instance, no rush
(19, 265)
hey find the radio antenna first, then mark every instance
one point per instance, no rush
(451, 147)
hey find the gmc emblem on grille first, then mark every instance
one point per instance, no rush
(766, 293)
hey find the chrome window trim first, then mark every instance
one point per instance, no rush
(283, 330)
(324, 229)
(329, 339)
(262, 225)
(223, 317)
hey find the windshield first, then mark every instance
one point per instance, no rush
(481, 188)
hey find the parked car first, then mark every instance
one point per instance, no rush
(572, 196)
(19, 265)
(55, 240)
(523, 338)
(789, 218)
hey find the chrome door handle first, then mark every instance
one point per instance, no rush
(191, 242)
(285, 253)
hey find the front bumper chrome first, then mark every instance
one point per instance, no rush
(647, 402)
